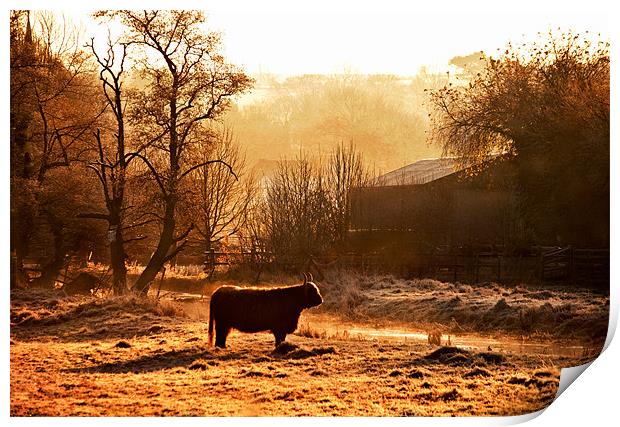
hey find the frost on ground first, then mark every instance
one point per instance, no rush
(541, 312)
(126, 356)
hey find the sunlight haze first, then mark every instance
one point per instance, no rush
(365, 42)
(375, 43)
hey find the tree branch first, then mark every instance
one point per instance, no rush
(131, 156)
(134, 239)
(140, 224)
(193, 168)
(175, 251)
(184, 234)
(94, 215)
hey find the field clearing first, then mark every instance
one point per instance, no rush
(129, 357)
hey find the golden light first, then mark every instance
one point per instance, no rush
(317, 40)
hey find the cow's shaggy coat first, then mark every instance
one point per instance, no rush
(255, 310)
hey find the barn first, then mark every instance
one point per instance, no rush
(437, 217)
(436, 202)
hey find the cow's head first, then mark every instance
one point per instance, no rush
(313, 296)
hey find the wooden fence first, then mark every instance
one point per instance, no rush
(566, 265)
(575, 265)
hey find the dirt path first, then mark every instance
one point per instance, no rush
(77, 356)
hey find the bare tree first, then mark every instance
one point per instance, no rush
(112, 163)
(307, 208)
(297, 211)
(187, 81)
(345, 171)
(65, 104)
(218, 200)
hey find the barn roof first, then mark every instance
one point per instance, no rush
(420, 172)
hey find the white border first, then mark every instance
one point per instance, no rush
(592, 400)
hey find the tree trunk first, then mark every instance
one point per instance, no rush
(13, 282)
(209, 257)
(119, 270)
(21, 234)
(50, 271)
(117, 259)
(22, 222)
(166, 239)
(159, 258)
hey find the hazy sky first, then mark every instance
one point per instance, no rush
(379, 42)
(386, 36)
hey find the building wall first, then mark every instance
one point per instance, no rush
(454, 210)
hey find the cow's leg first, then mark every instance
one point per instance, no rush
(221, 332)
(280, 337)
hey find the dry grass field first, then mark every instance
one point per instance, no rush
(86, 356)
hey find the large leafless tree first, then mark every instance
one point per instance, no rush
(186, 80)
(218, 201)
(112, 161)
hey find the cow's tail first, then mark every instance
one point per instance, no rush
(211, 322)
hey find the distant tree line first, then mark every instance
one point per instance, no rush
(384, 116)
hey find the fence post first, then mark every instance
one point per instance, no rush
(540, 265)
(571, 265)
(456, 257)
(499, 267)
(163, 273)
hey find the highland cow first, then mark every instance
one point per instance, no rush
(255, 310)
